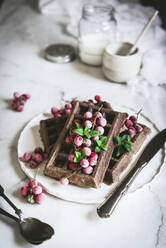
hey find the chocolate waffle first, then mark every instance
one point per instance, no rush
(118, 164)
(57, 165)
(51, 128)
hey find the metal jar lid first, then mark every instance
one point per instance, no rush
(60, 53)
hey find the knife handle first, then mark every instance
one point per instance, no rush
(106, 208)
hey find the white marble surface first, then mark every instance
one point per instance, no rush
(139, 220)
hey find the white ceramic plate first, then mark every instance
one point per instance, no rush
(30, 138)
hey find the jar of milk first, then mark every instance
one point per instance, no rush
(97, 28)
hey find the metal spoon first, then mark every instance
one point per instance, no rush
(32, 229)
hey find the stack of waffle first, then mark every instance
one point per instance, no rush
(53, 132)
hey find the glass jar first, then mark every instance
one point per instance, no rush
(97, 28)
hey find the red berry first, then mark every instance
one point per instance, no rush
(128, 123)
(102, 121)
(100, 130)
(38, 157)
(33, 164)
(37, 190)
(88, 115)
(54, 110)
(78, 140)
(68, 140)
(93, 161)
(133, 119)
(27, 156)
(20, 108)
(16, 95)
(72, 166)
(73, 101)
(68, 106)
(27, 96)
(94, 154)
(57, 114)
(64, 181)
(38, 149)
(14, 105)
(98, 98)
(71, 157)
(32, 183)
(39, 198)
(84, 163)
(68, 111)
(139, 128)
(88, 170)
(24, 190)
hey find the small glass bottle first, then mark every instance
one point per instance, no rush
(97, 28)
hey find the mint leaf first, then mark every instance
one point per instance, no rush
(94, 133)
(77, 125)
(87, 133)
(119, 151)
(97, 149)
(104, 140)
(84, 140)
(128, 147)
(79, 156)
(104, 147)
(99, 142)
(78, 131)
(124, 137)
(118, 138)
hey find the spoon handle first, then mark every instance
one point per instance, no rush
(17, 211)
(3, 212)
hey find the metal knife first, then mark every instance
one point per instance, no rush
(106, 208)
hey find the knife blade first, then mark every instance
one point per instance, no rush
(105, 209)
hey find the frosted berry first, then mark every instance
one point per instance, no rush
(32, 183)
(22, 102)
(20, 108)
(38, 149)
(68, 111)
(88, 115)
(16, 95)
(97, 114)
(102, 121)
(71, 157)
(73, 101)
(139, 128)
(68, 140)
(84, 163)
(88, 123)
(77, 121)
(33, 164)
(72, 166)
(88, 170)
(30, 199)
(24, 190)
(95, 138)
(39, 198)
(128, 123)
(87, 143)
(78, 140)
(14, 105)
(37, 190)
(93, 161)
(68, 106)
(98, 98)
(38, 157)
(133, 119)
(95, 155)
(100, 130)
(132, 128)
(27, 96)
(64, 181)
(27, 156)
(54, 110)
(131, 132)
(87, 151)
(57, 114)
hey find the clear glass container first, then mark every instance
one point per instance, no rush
(97, 28)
